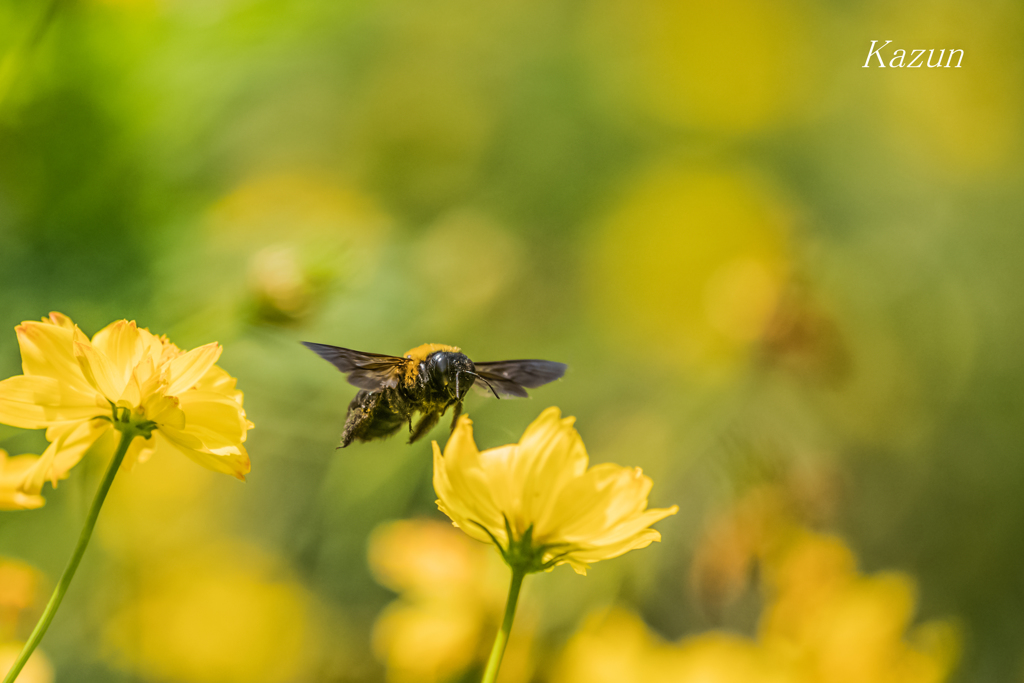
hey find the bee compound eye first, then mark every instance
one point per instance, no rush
(441, 368)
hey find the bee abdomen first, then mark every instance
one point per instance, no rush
(370, 416)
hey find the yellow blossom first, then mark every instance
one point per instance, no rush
(37, 670)
(220, 612)
(12, 471)
(451, 593)
(611, 647)
(840, 626)
(19, 587)
(538, 502)
(823, 622)
(714, 251)
(77, 389)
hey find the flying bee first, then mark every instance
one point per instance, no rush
(429, 379)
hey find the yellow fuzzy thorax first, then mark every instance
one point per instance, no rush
(421, 352)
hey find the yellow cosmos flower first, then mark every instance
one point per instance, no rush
(451, 594)
(37, 670)
(12, 472)
(823, 622)
(220, 612)
(538, 502)
(79, 390)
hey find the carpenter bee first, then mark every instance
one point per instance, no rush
(428, 379)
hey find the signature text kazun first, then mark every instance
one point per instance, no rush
(915, 60)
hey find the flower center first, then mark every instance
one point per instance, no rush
(523, 554)
(127, 420)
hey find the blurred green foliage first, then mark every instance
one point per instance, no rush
(762, 263)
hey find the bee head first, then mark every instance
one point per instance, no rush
(447, 370)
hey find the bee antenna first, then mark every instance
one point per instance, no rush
(485, 382)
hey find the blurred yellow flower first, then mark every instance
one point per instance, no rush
(957, 124)
(611, 647)
(427, 558)
(12, 472)
(246, 268)
(425, 643)
(538, 502)
(451, 593)
(77, 389)
(841, 627)
(221, 613)
(37, 670)
(19, 583)
(691, 264)
(764, 516)
(734, 67)
(717, 657)
(617, 647)
(822, 623)
(475, 245)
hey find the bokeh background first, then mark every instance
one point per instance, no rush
(786, 286)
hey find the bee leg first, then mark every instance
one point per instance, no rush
(455, 414)
(425, 424)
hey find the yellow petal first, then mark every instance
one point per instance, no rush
(16, 500)
(24, 400)
(637, 536)
(613, 494)
(139, 451)
(469, 493)
(11, 472)
(235, 464)
(187, 369)
(100, 372)
(581, 509)
(467, 518)
(553, 443)
(119, 343)
(153, 347)
(213, 418)
(577, 566)
(218, 380)
(165, 411)
(442, 487)
(491, 483)
(182, 438)
(70, 442)
(48, 350)
(215, 427)
(34, 402)
(553, 455)
(78, 443)
(60, 320)
(132, 395)
(460, 442)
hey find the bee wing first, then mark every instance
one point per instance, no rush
(514, 377)
(370, 371)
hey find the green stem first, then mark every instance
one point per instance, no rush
(501, 640)
(69, 571)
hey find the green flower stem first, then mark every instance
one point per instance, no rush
(127, 435)
(501, 640)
